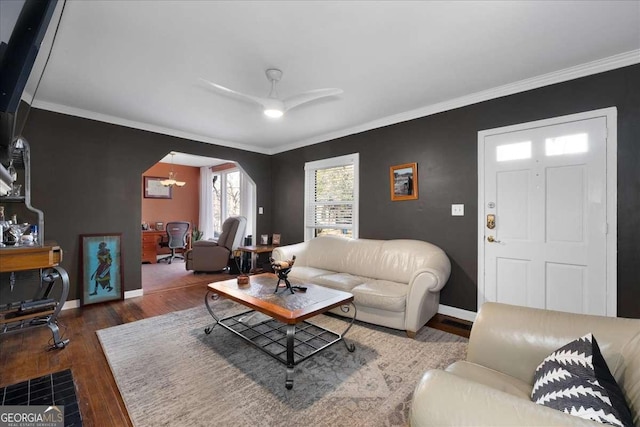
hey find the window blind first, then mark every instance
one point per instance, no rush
(331, 195)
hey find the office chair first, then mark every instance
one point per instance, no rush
(176, 239)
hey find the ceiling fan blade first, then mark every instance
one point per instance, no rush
(231, 92)
(295, 100)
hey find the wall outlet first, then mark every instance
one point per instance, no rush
(457, 210)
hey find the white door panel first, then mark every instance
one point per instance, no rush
(513, 281)
(565, 207)
(546, 187)
(566, 287)
(512, 204)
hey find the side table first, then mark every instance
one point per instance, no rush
(255, 250)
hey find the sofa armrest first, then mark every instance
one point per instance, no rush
(444, 399)
(284, 253)
(436, 277)
(422, 300)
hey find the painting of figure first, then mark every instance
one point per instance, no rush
(101, 268)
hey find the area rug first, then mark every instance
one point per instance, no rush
(56, 389)
(170, 373)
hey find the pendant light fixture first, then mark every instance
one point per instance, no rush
(171, 181)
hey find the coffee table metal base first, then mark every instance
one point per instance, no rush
(290, 344)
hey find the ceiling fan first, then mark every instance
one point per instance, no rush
(272, 105)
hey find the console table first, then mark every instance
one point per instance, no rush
(254, 251)
(41, 310)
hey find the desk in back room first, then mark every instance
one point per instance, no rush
(151, 245)
(150, 241)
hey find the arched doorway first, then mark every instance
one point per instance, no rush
(214, 189)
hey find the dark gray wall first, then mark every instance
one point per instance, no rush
(87, 178)
(445, 147)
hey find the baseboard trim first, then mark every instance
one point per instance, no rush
(127, 294)
(71, 304)
(457, 312)
(134, 293)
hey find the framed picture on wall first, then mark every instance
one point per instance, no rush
(153, 188)
(101, 269)
(404, 181)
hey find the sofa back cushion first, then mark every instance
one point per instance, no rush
(353, 256)
(232, 232)
(393, 260)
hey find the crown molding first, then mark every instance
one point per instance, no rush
(79, 112)
(589, 68)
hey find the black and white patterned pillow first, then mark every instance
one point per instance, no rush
(575, 379)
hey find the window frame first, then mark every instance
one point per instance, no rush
(309, 174)
(224, 208)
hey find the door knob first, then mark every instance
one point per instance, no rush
(491, 239)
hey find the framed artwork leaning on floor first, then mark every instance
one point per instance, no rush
(101, 269)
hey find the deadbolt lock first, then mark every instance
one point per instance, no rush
(491, 221)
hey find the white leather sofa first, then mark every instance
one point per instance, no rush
(492, 387)
(395, 283)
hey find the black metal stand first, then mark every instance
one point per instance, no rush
(49, 316)
(280, 340)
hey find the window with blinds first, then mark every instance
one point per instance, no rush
(331, 197)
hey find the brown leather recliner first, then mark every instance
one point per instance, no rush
(214, 255)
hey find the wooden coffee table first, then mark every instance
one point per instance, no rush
(276, 322)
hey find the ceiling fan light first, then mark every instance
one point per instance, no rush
(273, 113)
(168, 182)
(180, 184)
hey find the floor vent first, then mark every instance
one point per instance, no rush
(457, 324)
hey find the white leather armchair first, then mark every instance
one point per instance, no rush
(492, 387)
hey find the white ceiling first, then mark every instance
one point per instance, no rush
(187, 159)
(138, 63)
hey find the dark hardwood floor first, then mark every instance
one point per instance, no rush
(26, 355)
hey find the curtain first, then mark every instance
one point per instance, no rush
(206, 202)
(247, 203)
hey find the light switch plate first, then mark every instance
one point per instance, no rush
(260, 210)
(457, 210)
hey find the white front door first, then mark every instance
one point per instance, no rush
(543, 216)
